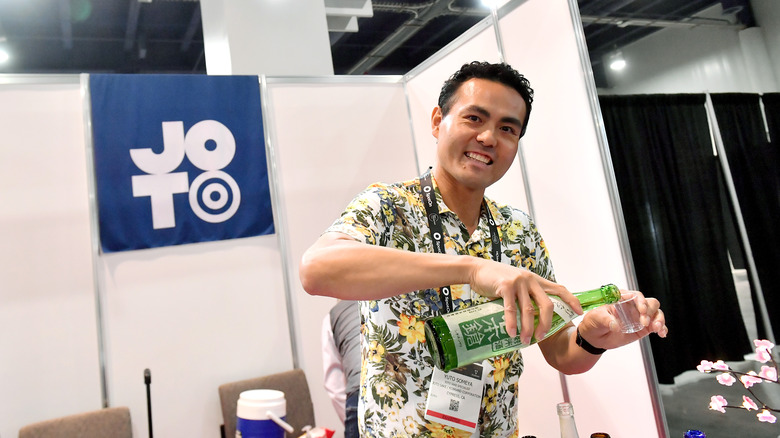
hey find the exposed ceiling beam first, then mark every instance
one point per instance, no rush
(132, 24)
(652, 22)
(191, 30)
(422, 15)
(65, 25)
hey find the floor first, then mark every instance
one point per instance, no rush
(686, 404)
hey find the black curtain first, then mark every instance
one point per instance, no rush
(668, 184)
(772, 109)
(755, 170)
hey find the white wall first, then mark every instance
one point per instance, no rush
(48, 332)
(703, 59)
(331, 140)
(767, 13)
(573, 211)
(569, 195)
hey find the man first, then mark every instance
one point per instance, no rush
(386, 250)
(341, 362)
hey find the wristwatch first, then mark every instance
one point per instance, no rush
(586, 345)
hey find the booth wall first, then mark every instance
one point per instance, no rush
(567, 179)
(330, 141)
(573, 209)
(48, 331)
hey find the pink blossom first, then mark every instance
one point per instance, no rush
(763, 356)
(726, 379)
(720, 365)
(769, 373)
(717, 403)
(705, 366)
(749, 404)
(763, 350)
(766, 417)
(750, 378)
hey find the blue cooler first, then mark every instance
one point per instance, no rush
(252, 414)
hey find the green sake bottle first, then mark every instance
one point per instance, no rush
(477, 332)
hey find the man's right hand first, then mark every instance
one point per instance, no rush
(520, 289)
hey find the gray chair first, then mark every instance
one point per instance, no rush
(103, 423)
(300, 410)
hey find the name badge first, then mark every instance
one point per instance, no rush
(455, 397)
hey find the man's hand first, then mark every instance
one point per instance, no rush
(520, 289)
(601, 328)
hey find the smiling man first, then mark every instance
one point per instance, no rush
(414, 249)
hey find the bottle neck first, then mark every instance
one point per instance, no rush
(606, 294)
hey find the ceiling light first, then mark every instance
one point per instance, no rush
(616, 61)
(4, 56)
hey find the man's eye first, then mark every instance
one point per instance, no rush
(473, 118)
(509, 129)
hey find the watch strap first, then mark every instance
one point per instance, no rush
(587, 346)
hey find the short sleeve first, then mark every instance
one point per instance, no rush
(366, 217)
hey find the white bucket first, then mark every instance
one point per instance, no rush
(254, 414)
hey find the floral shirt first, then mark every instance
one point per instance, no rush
(396, 365)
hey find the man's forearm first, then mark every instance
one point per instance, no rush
(351, 270)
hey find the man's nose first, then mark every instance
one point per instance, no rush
(487, 137)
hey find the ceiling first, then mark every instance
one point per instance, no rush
(165, 36)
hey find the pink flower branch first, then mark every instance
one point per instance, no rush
(728, 376)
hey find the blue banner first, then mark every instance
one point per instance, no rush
(178, 159)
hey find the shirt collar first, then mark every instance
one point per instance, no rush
(492, 206)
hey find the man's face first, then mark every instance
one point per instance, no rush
(477, 139)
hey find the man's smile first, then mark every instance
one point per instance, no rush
(479, 157)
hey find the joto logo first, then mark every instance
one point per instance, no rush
(208, 145)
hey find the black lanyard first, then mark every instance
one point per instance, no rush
(437, 233)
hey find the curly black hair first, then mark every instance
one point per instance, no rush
(501, 73)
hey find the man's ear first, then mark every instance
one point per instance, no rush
(436, 118)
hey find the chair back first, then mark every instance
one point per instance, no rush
(102, 423)
(300, 410)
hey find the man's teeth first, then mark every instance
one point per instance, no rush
(478, 157)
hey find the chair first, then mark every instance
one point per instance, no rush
(300, 410)
(102, 423)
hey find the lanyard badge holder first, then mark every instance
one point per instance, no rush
(454, 397)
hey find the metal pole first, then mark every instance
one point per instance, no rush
(95, 237)
(724, 162)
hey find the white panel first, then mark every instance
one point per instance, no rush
(572, 208)
(756, 55)
(767, 13)
(197, 316)
(269, 37)
(48, 336)
(331, 141)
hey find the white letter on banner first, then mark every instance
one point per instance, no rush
(195, 145)
(161, 189)
(171, 156)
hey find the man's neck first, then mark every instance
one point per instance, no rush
(464, 202)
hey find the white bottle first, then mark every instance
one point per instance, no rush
(566, 417)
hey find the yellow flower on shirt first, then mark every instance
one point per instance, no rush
(441, 431)
(413, 329)
(376, 352)
(501, 364)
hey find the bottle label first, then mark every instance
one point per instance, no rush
(481, 330)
